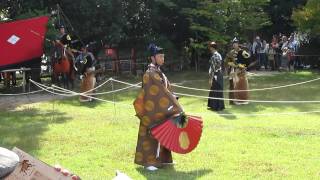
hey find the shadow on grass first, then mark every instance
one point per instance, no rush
(227, 115)
(74, 101)
(171, 173)
(24, 128)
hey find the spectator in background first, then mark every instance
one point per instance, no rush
(271, 54)
(276, 47)
(293, 47)
(263, 55)
(256, 51)
(285, 53)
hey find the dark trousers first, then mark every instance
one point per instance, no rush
(216, 92)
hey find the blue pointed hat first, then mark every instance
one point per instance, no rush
(154, 49)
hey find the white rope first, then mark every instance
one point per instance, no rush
(240, 100)
(258, 114)
(72, 93)
(126, 83)
(239, 114)
(253, 101)
(69, 94)
(45, 88)
(99, 99)
(21, 94)
(117, 90)
(99, 86)
(248, 90)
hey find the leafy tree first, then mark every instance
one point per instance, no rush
(280, 13)
(307, 19)
(223, 20)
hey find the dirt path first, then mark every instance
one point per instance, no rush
(12, 102)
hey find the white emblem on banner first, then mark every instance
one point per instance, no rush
(13, 39)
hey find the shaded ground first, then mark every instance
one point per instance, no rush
(11, 102)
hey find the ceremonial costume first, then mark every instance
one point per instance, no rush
(216, 77)
(237, 61)
(154, 104)
(159, 111)
(64, 39)
(85, 66)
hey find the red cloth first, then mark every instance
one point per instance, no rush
(22, 40)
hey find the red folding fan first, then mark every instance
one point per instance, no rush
(178, 139)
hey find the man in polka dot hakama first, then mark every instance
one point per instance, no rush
(154, 104)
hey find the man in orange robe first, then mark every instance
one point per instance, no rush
(154, 104)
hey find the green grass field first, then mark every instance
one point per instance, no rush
(95, 139)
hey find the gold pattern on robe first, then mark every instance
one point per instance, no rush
(149, 105)
(154, 90)
(164, 102)
(146, 121)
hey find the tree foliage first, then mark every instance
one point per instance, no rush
(221, 21)
(280, 13)
(176, 24)
(307, 19)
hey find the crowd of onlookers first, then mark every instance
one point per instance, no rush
(279, 54)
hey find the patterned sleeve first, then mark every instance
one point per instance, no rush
(156, 101)
(217, 62)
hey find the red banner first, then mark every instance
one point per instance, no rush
(22, 40)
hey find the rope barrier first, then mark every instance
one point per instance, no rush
(71, 93)
(45, 88)
(114, 91)
(98, 86)
(258, 114)
(117, 103)
(126, 83)
(95, 98)
(75, 93)
(254, 101)
(249, 90)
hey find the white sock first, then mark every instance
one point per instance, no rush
(151, 168)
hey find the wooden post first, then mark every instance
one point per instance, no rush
(24, 82)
